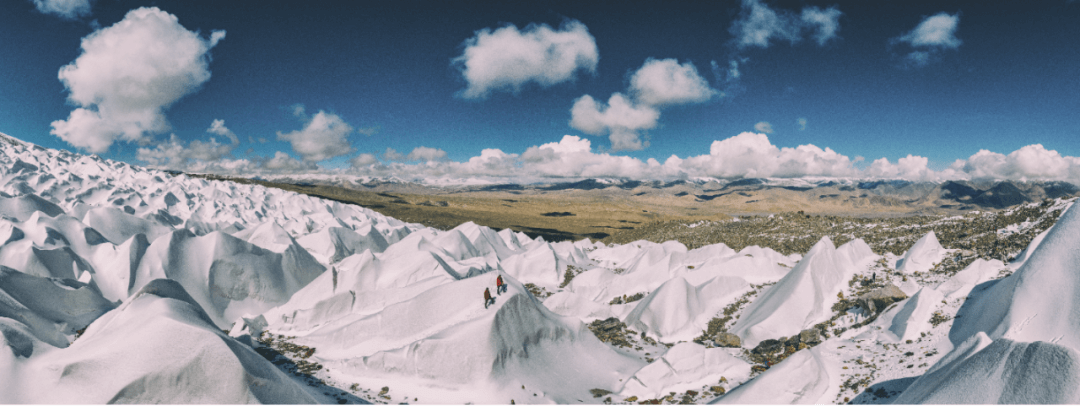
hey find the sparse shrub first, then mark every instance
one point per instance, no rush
(939, 318)
(571, 272)
(612, 331)
(624, 299)
(537, 291)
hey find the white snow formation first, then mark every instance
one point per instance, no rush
(922, 256)
(118, 282)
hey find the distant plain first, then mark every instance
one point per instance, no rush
(659, 211)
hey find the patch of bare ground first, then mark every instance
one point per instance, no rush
(978, 234)
(697, 216)
(558, 215)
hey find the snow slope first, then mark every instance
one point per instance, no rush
(810, 376)
(684, 367)
(676, 310)
(1014, 343)
(87, 244)
(158, 347)
(1027, 306)
(922, 256)
(117, 281)
(1000, 371)
(804, 297)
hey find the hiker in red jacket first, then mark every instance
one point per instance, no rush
(500, 287)
(488, 300)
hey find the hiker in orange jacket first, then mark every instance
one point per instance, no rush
(500, 287)
(488, 300)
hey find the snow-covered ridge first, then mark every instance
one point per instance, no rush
(109, 267)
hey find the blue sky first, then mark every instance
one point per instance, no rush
(862, 80)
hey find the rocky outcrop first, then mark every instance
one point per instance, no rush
(877, 300)
(725, 339)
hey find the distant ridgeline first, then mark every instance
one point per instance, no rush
(952, 194)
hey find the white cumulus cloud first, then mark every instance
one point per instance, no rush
(426, 154)
(621, 119)
(66, 9)
(666, 82)
(932, 36)
(392, 155)
(508, 58)
(324, 136)
(1031, 162)
(282, 162)
(572, 157)
(174, 154)
(758, 25)
(751, 155)
(938, 30)
(363, 160)
(127, 75)
(747, 155)
(657, 84)
(911, 167)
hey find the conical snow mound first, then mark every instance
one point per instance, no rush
(805, 296)
(158, 347)
(1015, 344)
(1001, 371)
(446, 334)
(1028, 305)
(922, 256)
(144, 262)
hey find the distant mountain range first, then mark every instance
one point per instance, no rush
(764, 195)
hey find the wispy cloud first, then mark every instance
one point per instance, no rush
(822, 24)
(127, 75)
(217, 127)
(368, 131)
(759, 25)
(763, 127)
(66, 9)
(507, 58)
(391, 155)
(801, 121)
(933, 35)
